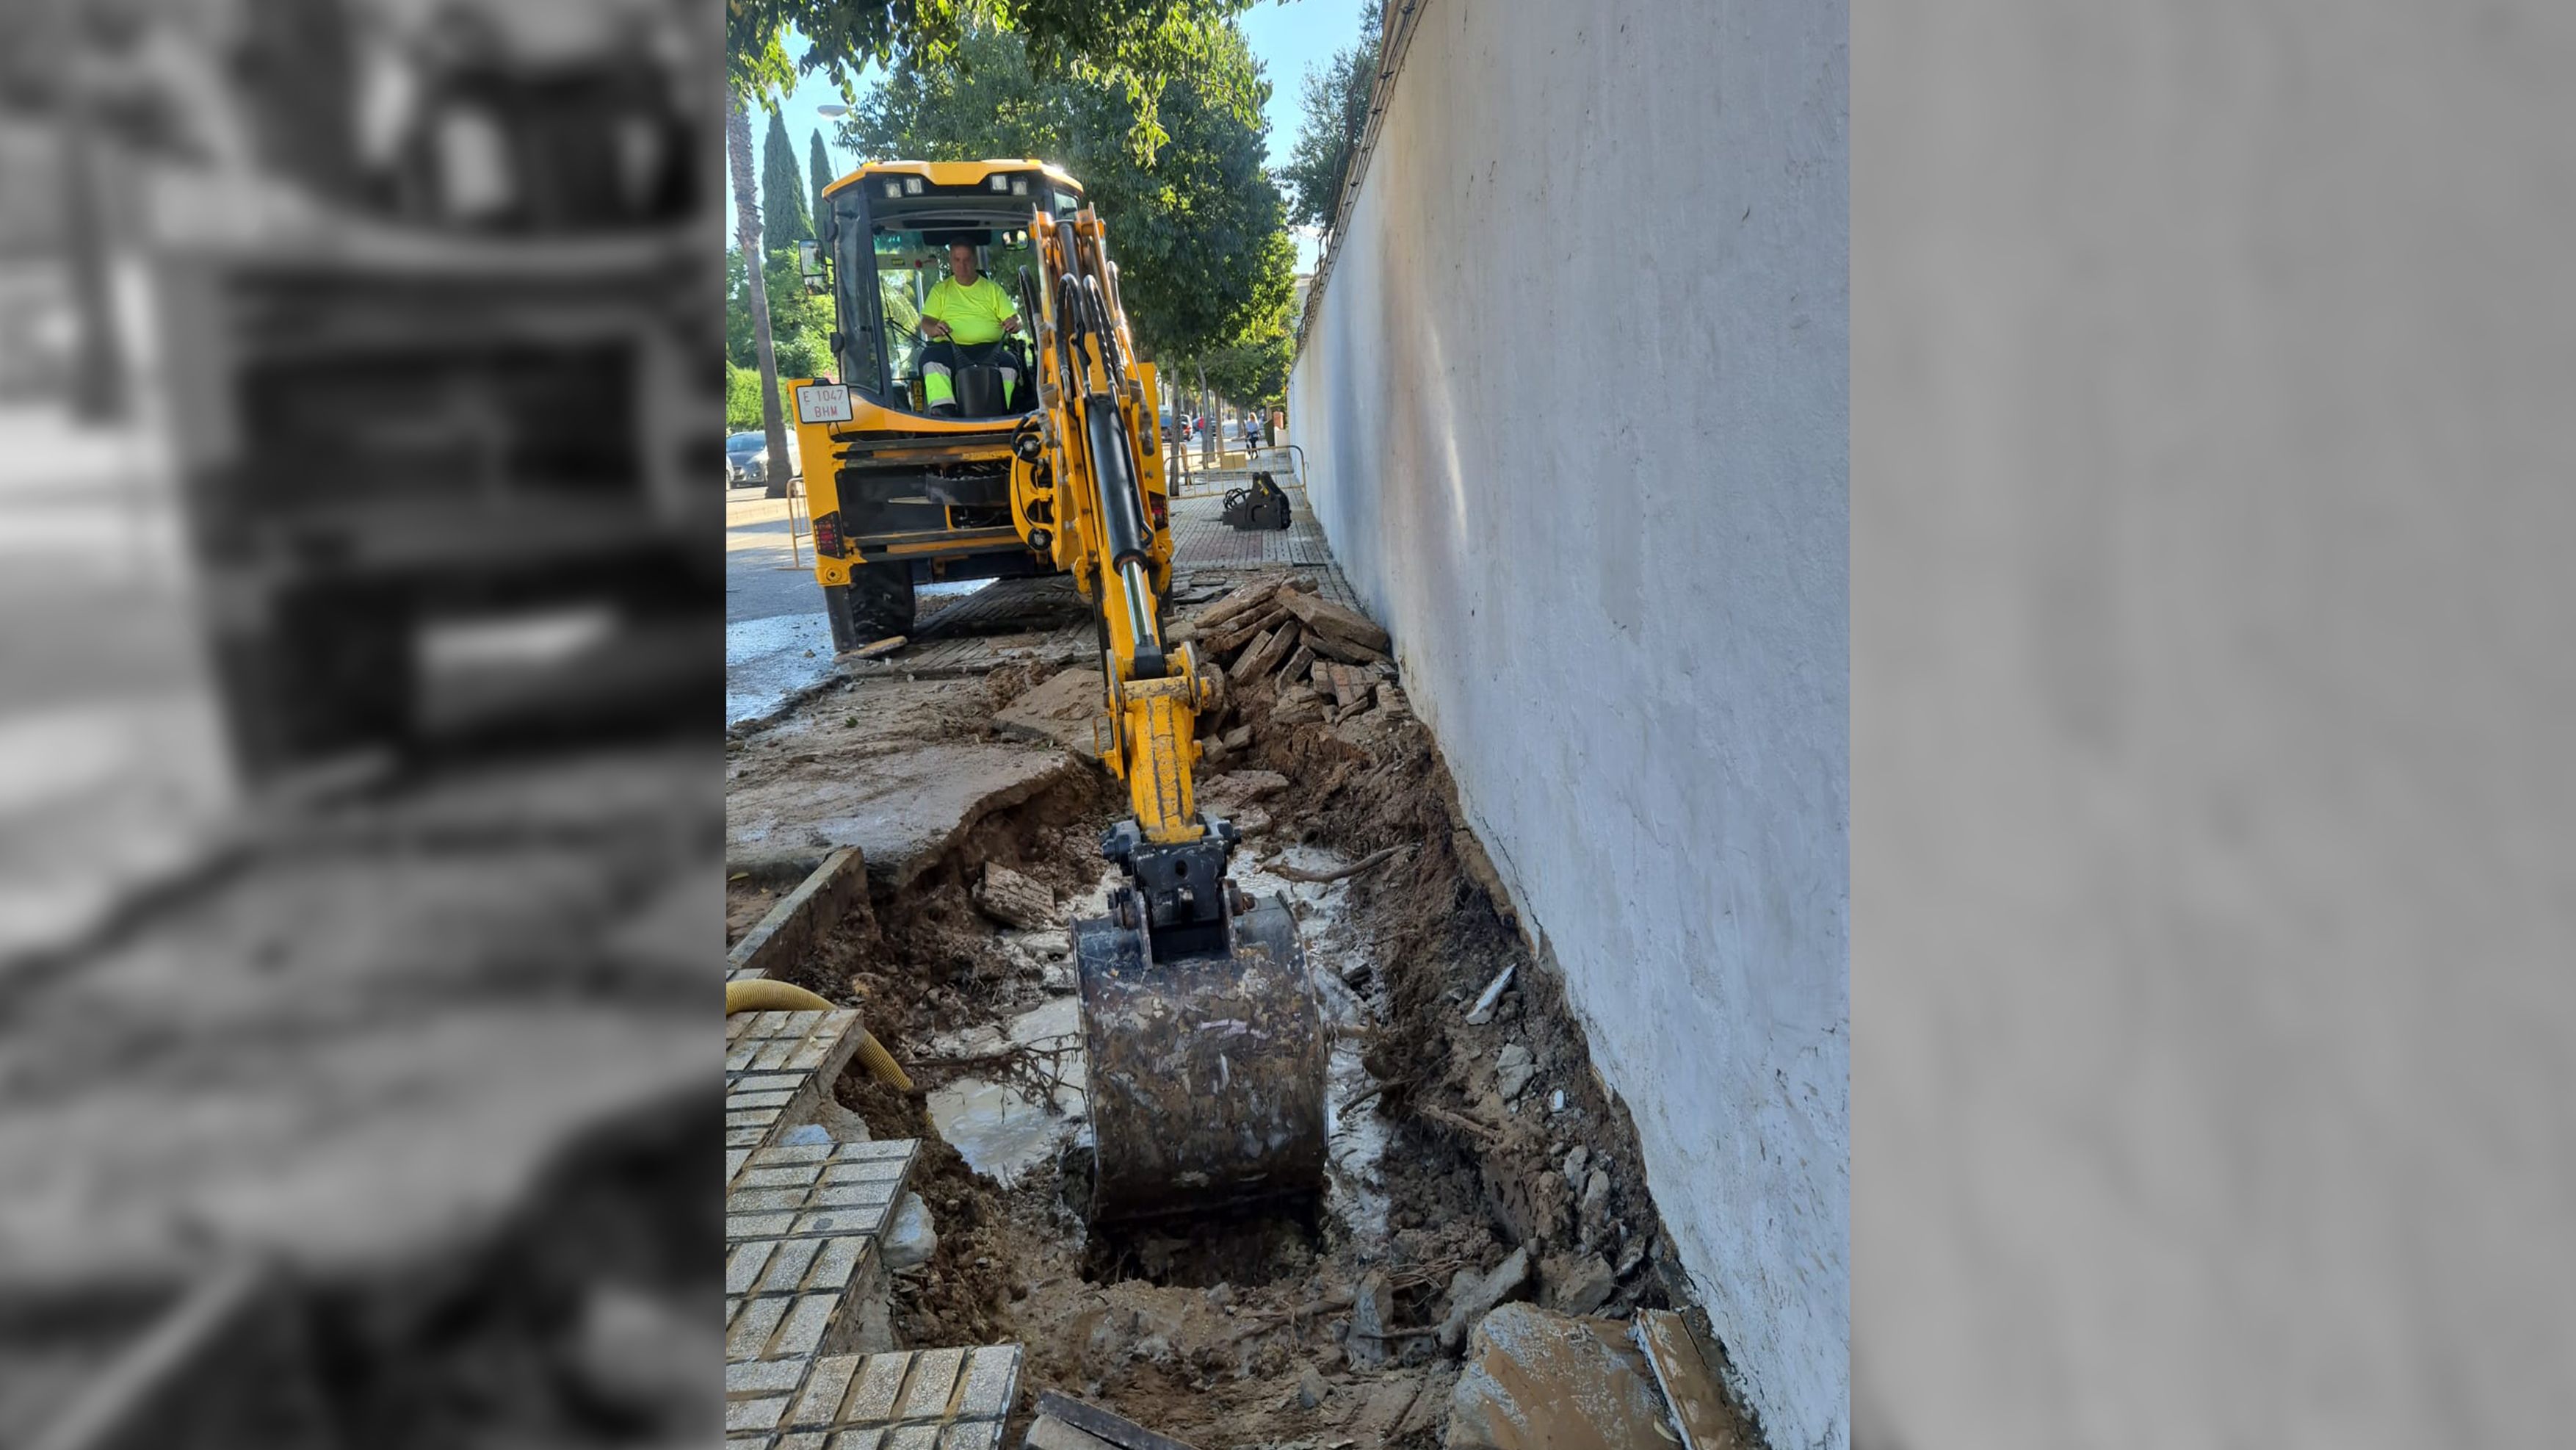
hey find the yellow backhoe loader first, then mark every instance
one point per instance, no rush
(1207, 1049)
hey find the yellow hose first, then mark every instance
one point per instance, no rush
(762, 994)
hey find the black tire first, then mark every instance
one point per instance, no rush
(881, 601)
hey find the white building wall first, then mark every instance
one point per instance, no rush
(1575, 410)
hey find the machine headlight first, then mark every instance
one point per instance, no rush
(893, 187)
(912, 186)
(1000, 182)
(1019, 186)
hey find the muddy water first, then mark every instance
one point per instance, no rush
(996, 1127)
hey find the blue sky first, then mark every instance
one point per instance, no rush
(1289, 37)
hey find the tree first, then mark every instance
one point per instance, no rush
(1132, 48)
(1336, 104)
(818, 167)
(747, 240)
(800, 322)
(742, 398)
(1197, 231)
(782, 192)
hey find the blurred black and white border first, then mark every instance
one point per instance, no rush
(360, 643)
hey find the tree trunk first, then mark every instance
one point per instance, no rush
(773, 420)
(1212, 427)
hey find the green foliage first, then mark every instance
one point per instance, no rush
(1335, 99)
(783, 219)
(1131, 48)
(800, 323)
(1197, 231)
(742, 398)
(818, 168)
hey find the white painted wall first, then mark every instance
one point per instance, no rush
(1575, 414)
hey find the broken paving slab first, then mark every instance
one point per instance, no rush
(1536, 1380)
(779, 1070)
(1700, 1406)
(792, 926)
(903, 809)
(1061, 710)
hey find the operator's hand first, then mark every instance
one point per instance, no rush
(933, 327)
(1011, 325)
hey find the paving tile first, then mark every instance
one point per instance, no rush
(929, 1389)
(880, 1384)
(992, 1374)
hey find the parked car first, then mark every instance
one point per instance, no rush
(747, 459)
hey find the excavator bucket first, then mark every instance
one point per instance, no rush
(1207, 1072)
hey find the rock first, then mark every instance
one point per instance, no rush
(1513, 1071)
(911, 1239)
(1483, 1011)
(1372, 1310)
(1556, 1101)
(1580, 1285)
(1015, 900)
(1391, 700)
(1221, 1297)
(1541, 1381)
(1155, 1347)
(1592, 1216)
(1472, 1296)
(1576, 1161)
(1239, 738)
(1311, 1389)
(1633, 1255)
(1513, 1055)
(1296, 705)
(1251, 821)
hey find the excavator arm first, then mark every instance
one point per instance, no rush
(1207, 1053)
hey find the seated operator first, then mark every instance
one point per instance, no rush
(967, 317)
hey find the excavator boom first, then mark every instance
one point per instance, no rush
(1207, 1051)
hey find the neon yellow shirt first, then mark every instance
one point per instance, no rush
(974, 313)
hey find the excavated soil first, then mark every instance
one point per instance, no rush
(1257, 1334)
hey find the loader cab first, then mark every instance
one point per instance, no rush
(890, 235)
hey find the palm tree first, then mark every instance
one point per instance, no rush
(746, 203)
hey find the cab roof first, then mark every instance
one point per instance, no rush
(951, 173)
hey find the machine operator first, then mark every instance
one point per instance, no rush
(966, 319)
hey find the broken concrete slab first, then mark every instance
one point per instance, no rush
(1015, 900)
(1061, 709)
(1330, 621)
(902, 809)
(1699, 1406)
(1537, 1380)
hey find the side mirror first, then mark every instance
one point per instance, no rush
(809, 260)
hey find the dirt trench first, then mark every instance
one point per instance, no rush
(1260, 1333)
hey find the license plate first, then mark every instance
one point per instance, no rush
(817, 403)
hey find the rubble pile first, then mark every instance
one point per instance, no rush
(1276, 650)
